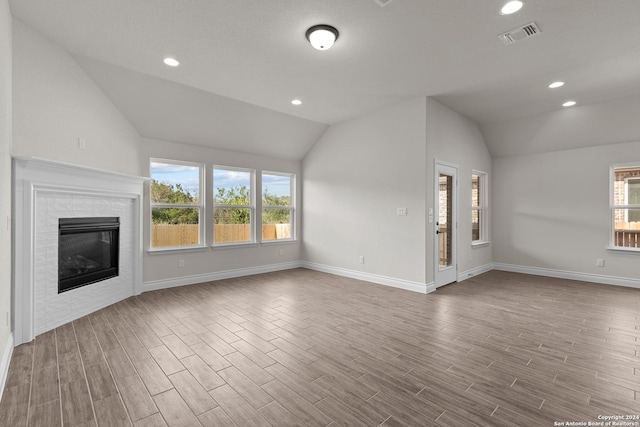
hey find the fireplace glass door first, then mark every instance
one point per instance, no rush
(88, 251)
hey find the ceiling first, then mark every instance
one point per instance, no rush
(251, 56)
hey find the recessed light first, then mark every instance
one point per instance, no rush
(569, 104)
(511, 7)
(296, 102)
(556, 85)
(171, 62)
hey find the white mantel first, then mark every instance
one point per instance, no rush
(45, 191)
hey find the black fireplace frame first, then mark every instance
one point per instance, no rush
(68, 226)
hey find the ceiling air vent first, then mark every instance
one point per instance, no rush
(383, 3)
(520, 33)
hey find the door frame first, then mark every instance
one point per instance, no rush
(448, 274)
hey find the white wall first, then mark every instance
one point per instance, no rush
(355, 177)
(580, 126)
(452, 138)
(5, 185)
(553, 211)
(55, 103)
(161, 269)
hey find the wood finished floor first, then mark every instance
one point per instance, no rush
(306, 348)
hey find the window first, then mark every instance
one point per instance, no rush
(176, 204)
(278, 209)
(625, 206)
(233, 205)
(479, 207)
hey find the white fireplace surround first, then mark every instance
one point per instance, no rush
(45, 191)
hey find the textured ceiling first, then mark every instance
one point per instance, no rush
(255, 52)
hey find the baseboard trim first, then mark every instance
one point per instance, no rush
(572, 275)
(373, 278)
(464, 275)
(4, 363)
(219, 275)
(423, 288)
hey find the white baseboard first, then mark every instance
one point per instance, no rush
(464, 275)
(572, 275)
(209, 277)
(4, 363)
(423, 288)
(373, 278)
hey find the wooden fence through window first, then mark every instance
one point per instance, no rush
(627, 238)
(165, 235)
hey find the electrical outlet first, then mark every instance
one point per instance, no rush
(82, 144)
(401, 211)
(181, 263)
(281, 252)
(599, 262)
(361, 259)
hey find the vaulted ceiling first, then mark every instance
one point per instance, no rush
(243, 61)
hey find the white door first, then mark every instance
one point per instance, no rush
(446, 223)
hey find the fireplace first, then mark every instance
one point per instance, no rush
(88, 251)
(48, 195)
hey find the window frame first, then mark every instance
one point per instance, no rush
(251, 206)
(291, 207)
(200, 206)
(626, 206)
(482, 208)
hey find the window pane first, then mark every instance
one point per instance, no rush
(276, 190)
(475, 191)
(633, 192)
(174, 227)
(475, 224)
(231, 187)
(627, 233)
(174, 183)
(276, 224)
(231, 225)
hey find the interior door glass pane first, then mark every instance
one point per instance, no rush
(445, 219)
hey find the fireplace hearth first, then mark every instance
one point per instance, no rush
(88, 251)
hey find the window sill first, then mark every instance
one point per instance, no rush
(176, 250)
(623, 249)
(480, 244)
(234, 245)
(253, 244)
(279, 242)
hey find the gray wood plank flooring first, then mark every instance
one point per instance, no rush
(305, 348)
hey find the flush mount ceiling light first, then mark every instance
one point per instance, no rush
(322, 37)
(569, 104)
(296, 102)
(511, 7)
(556, 85)
(171, 62)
